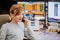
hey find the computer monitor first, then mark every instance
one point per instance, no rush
(34, 9)
(53, 11)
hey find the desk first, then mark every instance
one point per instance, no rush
(46, 35)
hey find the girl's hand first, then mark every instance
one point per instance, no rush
(26, 21)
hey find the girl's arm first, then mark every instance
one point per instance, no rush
(3, 32)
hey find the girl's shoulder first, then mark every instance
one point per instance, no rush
(5, 25)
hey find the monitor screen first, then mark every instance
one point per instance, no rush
(53, 11)
(33, 9)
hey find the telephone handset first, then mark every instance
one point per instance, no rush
(23, 20)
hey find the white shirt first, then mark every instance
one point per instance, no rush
(12, 32)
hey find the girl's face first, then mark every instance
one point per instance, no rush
(18, 17)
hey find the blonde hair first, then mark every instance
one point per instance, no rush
(15, 9)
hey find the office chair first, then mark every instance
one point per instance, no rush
(3, 19)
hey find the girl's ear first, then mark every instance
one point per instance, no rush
(11, 15)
